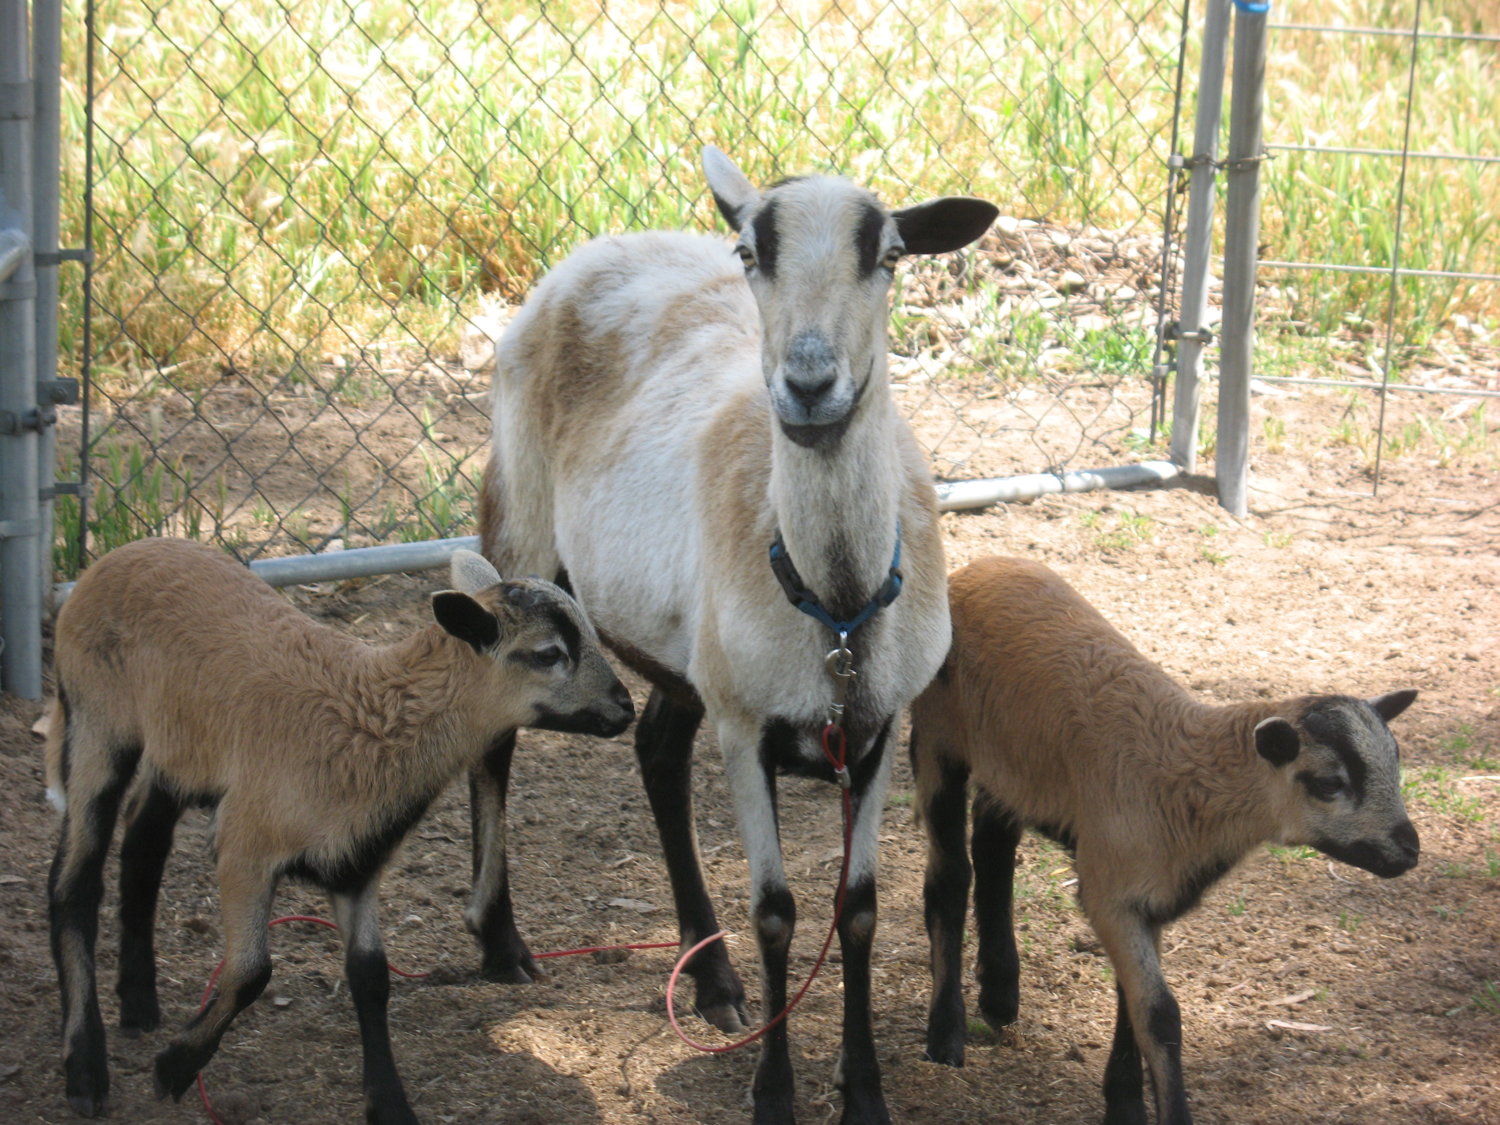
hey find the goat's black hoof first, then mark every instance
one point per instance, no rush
(87, 1086)
(1125, 1113)
(137, 1018)
(175, 1072)
(1000, 1007)
(513, 964)
(948, 1054)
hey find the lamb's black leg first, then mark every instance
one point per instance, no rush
(945, 894)
(490, 917)
(996, 836)
(664, 749)
(370, 989)
(150, 823)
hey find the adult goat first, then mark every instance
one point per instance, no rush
(666, 410)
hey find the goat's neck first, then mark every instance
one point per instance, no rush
(837, 508)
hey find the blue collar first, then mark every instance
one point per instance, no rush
(807, 601)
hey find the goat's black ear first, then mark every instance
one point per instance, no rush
(944, 224)
(1392, 703)
(1276, 741)
(466, 619)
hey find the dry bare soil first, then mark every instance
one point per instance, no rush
(1311, 992)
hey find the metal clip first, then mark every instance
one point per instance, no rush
(840, 665)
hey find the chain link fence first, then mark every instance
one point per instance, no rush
(308, 220)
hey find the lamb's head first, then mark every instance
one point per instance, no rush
(1340, 767)
(544, 655)
(819, 253)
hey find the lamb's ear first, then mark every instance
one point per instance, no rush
(471, 572)
(732, 192)
(1276, 741)
(1392, 703)
(464, 618)
(944, 224)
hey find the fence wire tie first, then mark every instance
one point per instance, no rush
(1245, 163)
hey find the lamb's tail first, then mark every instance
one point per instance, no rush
(56, 751)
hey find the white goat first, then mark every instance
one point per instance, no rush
(319, 751)
(1064, 726)
(666, 408)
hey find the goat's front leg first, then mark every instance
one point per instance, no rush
(369, 979)
(752, 783)
(490, 918)
(858, 1072)
(944, 797)
(1148, 1022)
(246, 890)
(664, 747)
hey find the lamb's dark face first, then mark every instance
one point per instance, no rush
(1343, 767)
(819, 254)
(547, 666)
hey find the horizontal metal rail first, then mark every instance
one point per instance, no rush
(1396, 32)
(362, 562)
(1384, 271)
(1334, 150)
(1371, 385)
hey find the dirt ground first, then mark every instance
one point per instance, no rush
(1311, 992)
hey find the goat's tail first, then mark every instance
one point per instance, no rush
(56, 751)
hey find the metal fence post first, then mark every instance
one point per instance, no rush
(1241, 234)
(1192, 332)
(46, 156)
(20, 574)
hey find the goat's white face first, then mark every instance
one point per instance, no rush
(1342, 766)
(819, 254)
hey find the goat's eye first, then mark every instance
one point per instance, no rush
(747, 256)
(892, 256)
(549, 656)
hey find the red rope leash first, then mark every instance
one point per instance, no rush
(836, 757)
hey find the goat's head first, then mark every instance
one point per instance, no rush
(819, 253)
(545, 656)
(1341, 766)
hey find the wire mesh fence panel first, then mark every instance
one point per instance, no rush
(308, 219)
(1388, 273)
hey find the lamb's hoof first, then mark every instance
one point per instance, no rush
(512, 973)
(730, 1017)
(174, 1074)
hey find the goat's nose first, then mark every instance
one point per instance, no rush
(621, 696)
(1405, 837)
(811, 367)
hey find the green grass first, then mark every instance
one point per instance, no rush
(346, 175)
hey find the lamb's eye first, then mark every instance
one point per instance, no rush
(747, 256)
(549, 656)
(892, 256)
(1325, 788)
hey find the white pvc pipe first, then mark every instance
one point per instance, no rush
(963, 494)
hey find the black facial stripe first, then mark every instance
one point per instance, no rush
(1333, 725)
(764, 225)
(867, 238)
(567, 629)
